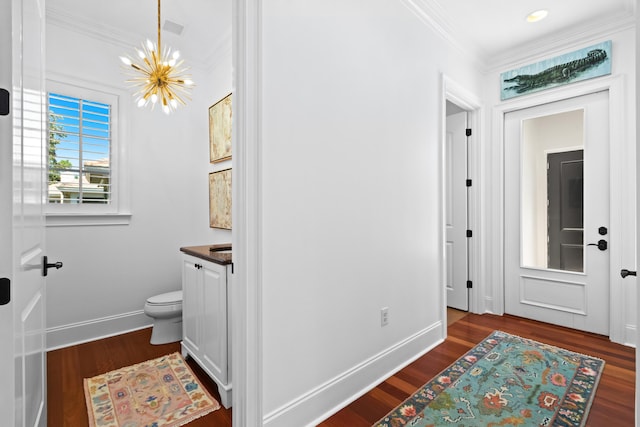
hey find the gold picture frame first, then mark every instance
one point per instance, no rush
(220, 199)
(220, 115)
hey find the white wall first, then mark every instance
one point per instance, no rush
(622, 237)
(109, 271)
(351, 197)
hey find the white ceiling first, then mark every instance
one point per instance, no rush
(492, 29)
(497, 30)
(207, 23)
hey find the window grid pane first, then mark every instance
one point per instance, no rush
(79, 151)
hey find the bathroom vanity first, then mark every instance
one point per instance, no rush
(206, 272)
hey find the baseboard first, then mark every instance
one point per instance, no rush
(95, 329)
(328, 398)
(630, 334)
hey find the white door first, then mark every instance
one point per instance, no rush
(554, 269)
(456, 211)
(23, 155)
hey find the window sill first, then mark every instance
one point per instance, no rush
(72, 220)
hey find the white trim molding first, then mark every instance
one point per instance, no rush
(96, 329)
(246, 294)
(337, 393)
(452, 91)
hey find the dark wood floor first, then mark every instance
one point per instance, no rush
(67, 367)
(613, 405)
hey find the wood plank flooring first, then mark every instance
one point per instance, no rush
(613, 405)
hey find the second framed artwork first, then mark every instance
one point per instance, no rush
(220, 130)
(220, 199)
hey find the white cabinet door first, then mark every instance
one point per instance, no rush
(214, 326)
(191, 303)
(205, 322)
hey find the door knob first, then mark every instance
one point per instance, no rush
(602, 244)
(624, 273)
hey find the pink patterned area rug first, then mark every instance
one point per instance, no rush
(162, 392)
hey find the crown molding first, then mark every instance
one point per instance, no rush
(123, 39)
(92, 29)
(557, 42)
(431, 14)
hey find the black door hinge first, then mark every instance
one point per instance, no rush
(469, 233)
(469, 183)
(5, 291)
(4, 102)
(468, 132)
(469, 284)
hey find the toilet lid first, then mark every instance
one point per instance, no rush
(167, 298)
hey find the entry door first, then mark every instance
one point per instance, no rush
(456, 212)
(22, 176)
(539, 284)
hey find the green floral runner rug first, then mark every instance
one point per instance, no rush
(159, 392)
(505, 380)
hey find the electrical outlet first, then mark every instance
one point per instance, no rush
(384, 316)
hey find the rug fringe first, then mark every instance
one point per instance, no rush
(196, 416)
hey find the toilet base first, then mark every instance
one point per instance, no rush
(166, 330)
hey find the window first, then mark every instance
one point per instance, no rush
(79, 150)
(87, 165)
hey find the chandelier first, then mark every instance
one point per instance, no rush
(159, 75)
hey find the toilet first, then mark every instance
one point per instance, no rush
(166, 311)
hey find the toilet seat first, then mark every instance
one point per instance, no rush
(169, 298)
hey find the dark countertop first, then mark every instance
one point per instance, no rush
(206, 253)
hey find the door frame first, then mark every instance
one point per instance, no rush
(457, 94)
(619, 220)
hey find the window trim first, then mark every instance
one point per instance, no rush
(118, 211)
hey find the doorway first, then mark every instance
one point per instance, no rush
(457, 188)
(556, 212)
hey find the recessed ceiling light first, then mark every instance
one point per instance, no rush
(538, 15)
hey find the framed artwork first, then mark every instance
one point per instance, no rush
(220, 199)
(220, 130)
(583, 64)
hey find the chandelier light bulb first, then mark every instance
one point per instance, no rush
(125, 60)
(142, 102)
(154, 98)
(176, 55)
